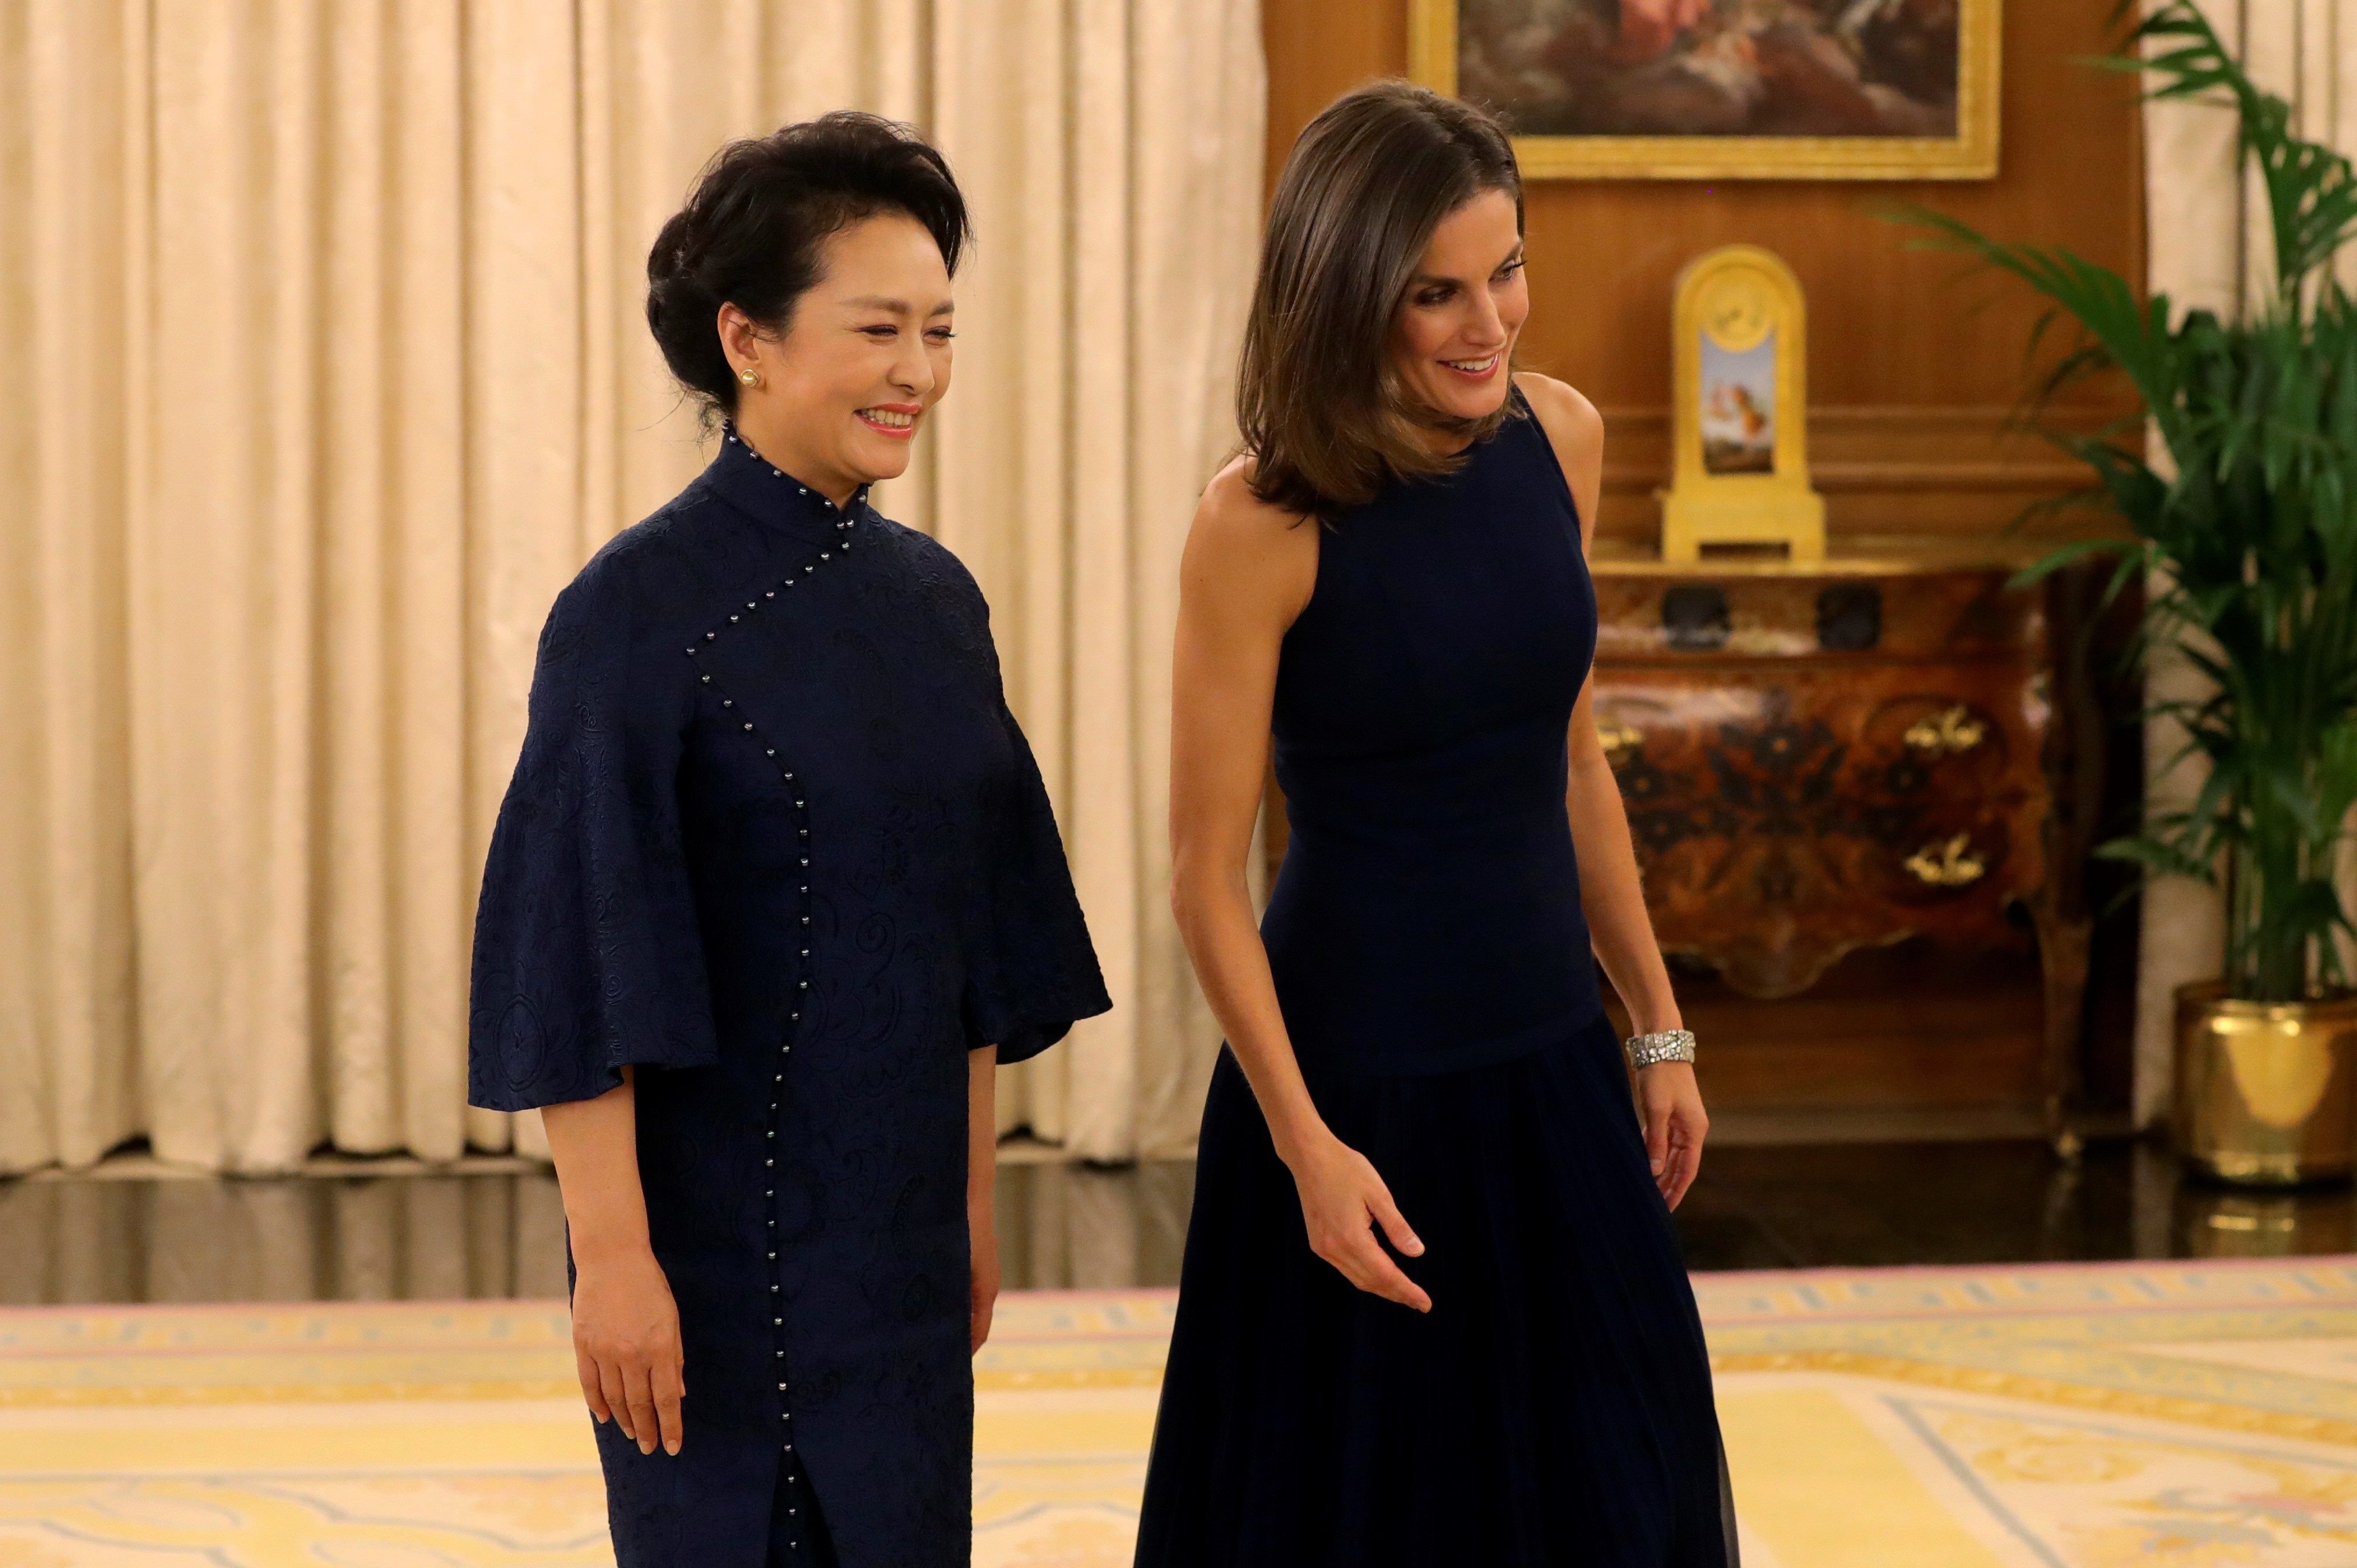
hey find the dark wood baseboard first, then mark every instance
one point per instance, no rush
(1909, 1032)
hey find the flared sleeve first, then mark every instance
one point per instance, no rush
(586, 951)
(1032, 971)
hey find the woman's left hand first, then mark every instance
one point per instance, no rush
(1671, 1104)
(983, 1230)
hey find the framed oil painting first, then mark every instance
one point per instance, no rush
(1724, 89)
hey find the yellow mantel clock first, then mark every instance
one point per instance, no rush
(1740, 431)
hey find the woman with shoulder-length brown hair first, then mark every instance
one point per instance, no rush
(1433, 1311)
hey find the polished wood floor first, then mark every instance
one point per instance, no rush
(109, 1236)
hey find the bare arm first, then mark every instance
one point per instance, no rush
(626, 1343)
(1610, 891)
(1247, 571)
(980, 1186)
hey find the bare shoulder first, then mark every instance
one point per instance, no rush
(1575, 431)
(1570, 421)
(1231, 513)
(1255, 559)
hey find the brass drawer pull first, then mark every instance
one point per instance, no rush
(1951, 730)
(1950, 864)
(1618, 739)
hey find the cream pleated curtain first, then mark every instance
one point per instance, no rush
(2210, 247)
(322, 369)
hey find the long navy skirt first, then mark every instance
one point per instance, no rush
(1552, 1409)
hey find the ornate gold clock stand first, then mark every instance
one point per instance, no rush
(1821, 754)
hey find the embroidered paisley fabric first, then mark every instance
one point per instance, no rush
(775, 839)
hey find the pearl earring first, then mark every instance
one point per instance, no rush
(749, 376)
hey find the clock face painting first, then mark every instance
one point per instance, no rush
(1739, 407)
(1739, 466)
(1736, 392)
(1729, 89)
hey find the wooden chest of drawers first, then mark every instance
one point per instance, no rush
(1820, 758)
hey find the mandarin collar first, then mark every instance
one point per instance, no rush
(772, 495)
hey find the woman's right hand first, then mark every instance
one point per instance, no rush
(1342, 1201)
(626, 1346)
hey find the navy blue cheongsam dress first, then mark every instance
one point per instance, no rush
(775, 839)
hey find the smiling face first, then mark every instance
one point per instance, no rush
(838, 397)
(1453, 338)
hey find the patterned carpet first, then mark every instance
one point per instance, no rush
(2164, 1415)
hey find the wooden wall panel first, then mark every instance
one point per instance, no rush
(1915, 359)
(1916, 362)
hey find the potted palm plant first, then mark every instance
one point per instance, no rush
(2237, 483)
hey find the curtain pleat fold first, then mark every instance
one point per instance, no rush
(326, 369)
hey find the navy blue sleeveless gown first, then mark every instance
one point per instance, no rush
(1433, 965)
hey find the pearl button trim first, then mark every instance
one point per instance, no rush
(796, 1477)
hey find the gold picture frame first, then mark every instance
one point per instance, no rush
(1739, 430)
(1436, 28)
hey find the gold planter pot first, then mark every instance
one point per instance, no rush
(2267, 1091)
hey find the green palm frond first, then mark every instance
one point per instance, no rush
(2248, 532)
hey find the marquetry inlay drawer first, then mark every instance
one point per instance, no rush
(1818, 760)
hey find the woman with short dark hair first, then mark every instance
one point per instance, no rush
(775, 887)
(1432, 1311)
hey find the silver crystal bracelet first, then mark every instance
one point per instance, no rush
(1661, 1046)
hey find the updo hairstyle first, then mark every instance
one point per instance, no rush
(754, 227)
